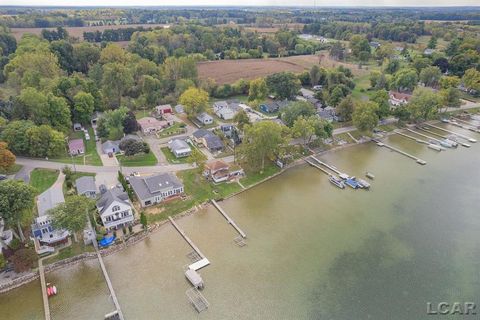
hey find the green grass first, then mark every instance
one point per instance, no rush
(74, 250)
(387, 127)
(12, 170)
(199, 190)
(176, 129)
(42, 179)
(139, 114)
(254, 177)
(75, 176)
(90, 157)
(344, 136)
(138, 160)
(362, 84)
(171, 157)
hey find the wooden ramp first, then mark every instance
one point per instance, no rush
(229, 220)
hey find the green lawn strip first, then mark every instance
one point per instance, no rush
(344, 136)
(42, 179)
(387, 127)
(138, 160)
(171, 157)
(75, 249)
(198, 190)
(12, 170)
(75, 176)
(91, 155)
(176, 129)
(255, 177)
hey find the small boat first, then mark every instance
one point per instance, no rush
(337, 182)
(363, 184)
(54, 288)
(352, 183)
(49, 291)
(369, 175)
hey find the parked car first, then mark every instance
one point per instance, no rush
(3, 177)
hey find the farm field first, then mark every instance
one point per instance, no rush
(77, 32)
(229, 71)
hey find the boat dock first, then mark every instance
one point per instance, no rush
(327, 165)
(381, 144)
(430, 145)
(455, 133)
(462, 125)
(466, 122)
(310, 162)
(43, 284)
(109, 283)
(229, 220)
(196, 265)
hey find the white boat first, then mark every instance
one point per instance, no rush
(337, 182)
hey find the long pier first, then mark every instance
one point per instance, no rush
(43, 284)
(199, 264)
(229, 220)
(463, 126)
(327, 165)
(317, 166)
(418, 160)
(413, 138)
(463, 121)
(109, 283)
(423, 135)
(455, 133)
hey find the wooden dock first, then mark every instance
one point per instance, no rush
(423, 135)
(455, 133)
(469, 126)
(413, 138)
(196, 265)
(229, 220)
(310, 162)
(327, 165)
(382, 144)
(43, 284)
(109, 283)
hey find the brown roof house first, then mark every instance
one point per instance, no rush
(150, 125)
(76, 147)
(397, 98)
(220, 171)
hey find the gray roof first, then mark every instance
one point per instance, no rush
(110, 145)
(178, 144)
(221, 104)
(204, 116)
(85, 184)
(200, 133)
(213, 141)
(49, 199)
(110, 196)
(179, 108)
(148, 187)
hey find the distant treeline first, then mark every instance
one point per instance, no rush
(113, 35)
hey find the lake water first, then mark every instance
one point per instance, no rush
(313, 251)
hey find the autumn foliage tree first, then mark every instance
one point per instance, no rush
(7, 158)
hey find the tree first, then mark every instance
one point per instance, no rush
(7, 158)
(423, 104)
(381, 98)
(365, 116)
(471, 79)
(307, 128)
(359, 44)
(337, 51)
(432, 43)
(316, 75)
(295, 110)
(194, 100)
(23, 259)
(143, 220)
(83, 107)
(130, 123)
(450, 97)
(345, 108)
(263, 141)
(241, 119)
(15, 134)
(197, 158)
(405, 79)
(335, 96)
(116, 79)
(72, 214)
(132, 147)
(43, 142)
(449, 82)
(283, 85)
(16, 203)
(430, 76)
(258, 89)
(111, 124)
(85, 55)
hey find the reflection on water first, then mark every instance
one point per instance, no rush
(313, 251)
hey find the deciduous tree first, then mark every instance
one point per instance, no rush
(194, 100)
(72, 214)
(365, 116)
(7, 158)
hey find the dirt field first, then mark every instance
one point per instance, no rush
(229, 71)
(77, 32)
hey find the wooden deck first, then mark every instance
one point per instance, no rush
(229, 220)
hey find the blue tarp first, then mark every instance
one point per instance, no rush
(106, 241)
(352, 183)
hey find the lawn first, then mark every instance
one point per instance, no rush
(74, 250)
(171, 157)
(42, 179)
(198, 190)
(176, 129)
(90, 157)
(12, 170)
(138, 160)
(254, 177)
(362, 84)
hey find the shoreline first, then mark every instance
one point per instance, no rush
(157, 226)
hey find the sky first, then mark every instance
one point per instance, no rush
(293, 3)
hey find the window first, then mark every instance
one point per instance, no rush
(115, 208)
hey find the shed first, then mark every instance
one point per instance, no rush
(76, 147)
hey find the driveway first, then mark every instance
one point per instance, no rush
(24, 174)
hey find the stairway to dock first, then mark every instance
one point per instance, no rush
(229, 220)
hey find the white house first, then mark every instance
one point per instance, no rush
(397, 98)
(225, 110)
(205, 118)
(115, 209)
(157, 188)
